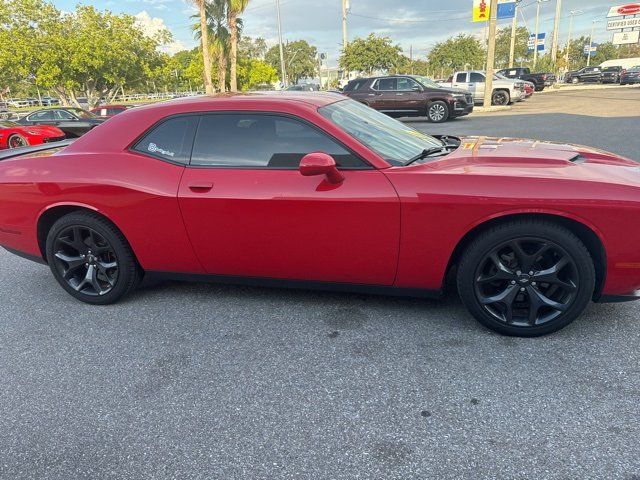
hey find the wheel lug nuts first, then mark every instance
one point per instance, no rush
(518, 272)
(533, 283)
(531, 272)
(522, 289)
(513, 282)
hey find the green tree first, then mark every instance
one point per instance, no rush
(219, 37)
(253, 73)
(299, 57)
(503, 47)
(252, 47)
(234, 9)
(369, 54)
(457, 53)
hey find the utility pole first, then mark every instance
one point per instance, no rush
(282, 68)
(572, 14)
(345, 6)
(556, 27)
(514, 30)
(411, 57)
(491, 53)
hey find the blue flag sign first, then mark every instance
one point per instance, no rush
(506, 9)
(591, 51)
(541, 39)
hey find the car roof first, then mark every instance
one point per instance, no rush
(317, 99)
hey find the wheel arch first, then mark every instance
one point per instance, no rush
(53, 213)
(586, 233)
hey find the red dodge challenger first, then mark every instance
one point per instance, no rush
(13, 135)
(319, 191)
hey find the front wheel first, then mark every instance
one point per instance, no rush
(500, 98)
(90, 258)
(526, 278)
(575, 80)
(17, 141)
(438, 112)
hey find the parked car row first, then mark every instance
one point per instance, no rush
(613, 74)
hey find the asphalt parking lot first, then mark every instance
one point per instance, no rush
(197, 381)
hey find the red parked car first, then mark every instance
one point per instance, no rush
(529, 88)
(13, 135)
(108, 111)
(317, 190)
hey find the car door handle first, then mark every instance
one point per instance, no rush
(200, 187)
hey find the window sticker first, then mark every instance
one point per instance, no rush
(153, 148)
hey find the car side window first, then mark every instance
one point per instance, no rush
(170, 140)
(461, 78)
(41, 116)
(262, 141)
(407, 84)
(62, 115)
(385, 84)
(475, 77)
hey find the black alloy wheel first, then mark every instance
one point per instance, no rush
(90, 258)
(526, 278)
(86, 260)
(17, 141)
(500, 98)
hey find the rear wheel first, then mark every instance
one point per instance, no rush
(90, 258)
(438, 112)
(575, 80)
(17, 141)
(526, 278)
(500, 97)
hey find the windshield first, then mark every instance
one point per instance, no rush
(8, 124)
(427, 82)
(394, 141)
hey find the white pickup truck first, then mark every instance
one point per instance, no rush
(505, 90)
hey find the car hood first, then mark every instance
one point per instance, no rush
(533, 158)
(456, 91)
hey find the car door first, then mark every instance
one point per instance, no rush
(477, 85)
(249, 212)
(409, 96)
(70, 124)
(383, 94)
(460, 81)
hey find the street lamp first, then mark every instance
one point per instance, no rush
(535, 39)
(572, 13)
(593, 27)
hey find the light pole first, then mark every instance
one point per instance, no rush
(556, 28)
(572, 14)
(345, 8)
(491, 53)
(593, 27)
(514, 29)
(535, 38)
(282, 69)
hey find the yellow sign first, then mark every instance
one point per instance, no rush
(481, 10)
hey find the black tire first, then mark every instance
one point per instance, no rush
(500, 98)
(523, 304)
(88, 237)
(16, 141)
(438, 111)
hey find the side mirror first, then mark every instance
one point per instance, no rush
(318, 163)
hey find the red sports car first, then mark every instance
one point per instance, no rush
(13, 135)
(316, 190)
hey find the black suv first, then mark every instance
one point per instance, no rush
(611, 75)
(410, 96)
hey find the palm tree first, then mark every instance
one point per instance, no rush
(234, 9)
(204, 37)
(219, 37)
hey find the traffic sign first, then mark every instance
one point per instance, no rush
(541, 40)
(591, 51)
(623, 10)
(506, 9)
(625, 38)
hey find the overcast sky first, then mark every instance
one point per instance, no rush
(417, 23)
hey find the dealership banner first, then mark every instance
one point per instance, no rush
(506, 9)
(481, 10)
(623, 10)
(632, 22)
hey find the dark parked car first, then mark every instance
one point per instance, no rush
(74, 122)
(611, 75)
(540, 80)
(410, 95)
(108, 111)
(586, 74)
(630, 75)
